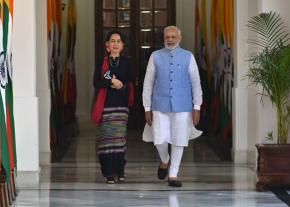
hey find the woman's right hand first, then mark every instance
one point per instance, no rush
(117, 84)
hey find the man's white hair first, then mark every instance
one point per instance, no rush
(172, 27)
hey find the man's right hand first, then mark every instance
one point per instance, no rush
(148, 117)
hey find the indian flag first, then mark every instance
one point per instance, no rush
(5, 155)
(7, 34)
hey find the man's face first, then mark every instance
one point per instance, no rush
(171, 39)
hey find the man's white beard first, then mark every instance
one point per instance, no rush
(171, 47)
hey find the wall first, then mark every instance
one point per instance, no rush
(184, 13)
(185, 17)
(42, 83)
(281, 6)
(24, 80)
(245, 107)
(85, 56)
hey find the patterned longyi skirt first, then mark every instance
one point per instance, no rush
(112, 141)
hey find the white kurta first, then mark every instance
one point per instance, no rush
(174, 128)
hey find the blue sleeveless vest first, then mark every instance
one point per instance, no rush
(172, 91)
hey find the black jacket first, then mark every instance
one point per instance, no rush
(123, 72)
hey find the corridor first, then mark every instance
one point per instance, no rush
(76, 179)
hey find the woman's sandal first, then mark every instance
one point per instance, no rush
(121, 178)
(110, 180)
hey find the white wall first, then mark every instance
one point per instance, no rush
(185, 14)
(42, 83)
(185, 17)
(85, 55)
(281, 6)
(24, 80)
(244, 119)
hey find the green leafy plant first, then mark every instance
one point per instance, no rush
(270, 65)
(270, 135)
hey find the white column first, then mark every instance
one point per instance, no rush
(42, 83)
(85, 56)
(243, 149)
(24, 80)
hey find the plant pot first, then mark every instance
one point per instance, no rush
(273, 166)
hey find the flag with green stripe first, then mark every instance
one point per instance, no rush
(5, 162)
(7, 33)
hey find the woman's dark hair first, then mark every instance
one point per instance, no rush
(110, 33)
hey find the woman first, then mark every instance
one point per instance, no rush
(113, 80)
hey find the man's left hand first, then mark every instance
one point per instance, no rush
(195, 117)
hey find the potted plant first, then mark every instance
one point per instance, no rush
(269, 68)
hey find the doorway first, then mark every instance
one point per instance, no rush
(142, 22)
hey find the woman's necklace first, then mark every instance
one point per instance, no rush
(114, 63)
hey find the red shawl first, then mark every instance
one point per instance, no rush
(101, 97)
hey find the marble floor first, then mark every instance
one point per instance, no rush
(207, 181)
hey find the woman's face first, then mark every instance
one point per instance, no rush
(115, 44)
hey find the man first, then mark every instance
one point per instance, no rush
(172, 98)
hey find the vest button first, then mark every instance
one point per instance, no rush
(170, 79)
(171, 63)
(170, 88)
(171, 71)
